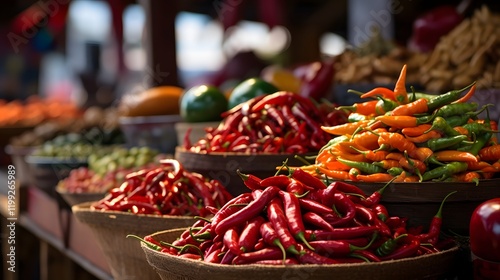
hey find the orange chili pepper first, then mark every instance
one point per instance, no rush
(382, 91)
(490, 153)
(367, 139)
(394, 156)
(372, 155)
(375, 178)
(433, 134)
(334, 174)
(411, 179)
(467, 96)
(400, 93)
(416, 130)
(462, 130)
(412, 164)
(416, 107)
(397, 141)
(346, 128)
(477, 165)
(454, 155)
(387, 163)
(364, 108)
(336, 165)
(398, 122)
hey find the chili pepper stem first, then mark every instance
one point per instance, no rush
(300, 236)
(440, 210)
(149, 244)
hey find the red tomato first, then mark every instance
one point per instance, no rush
(484, 230)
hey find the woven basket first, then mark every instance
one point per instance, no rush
(73, 199)
(433, 266)
(223, 166)
(420, 201)
(124, 255)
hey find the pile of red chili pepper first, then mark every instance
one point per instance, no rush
(282, 122)
(297, 219)
(165, 190)
(414, 137)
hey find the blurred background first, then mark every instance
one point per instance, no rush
(93, 51)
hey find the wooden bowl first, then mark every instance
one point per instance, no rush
(124, 255)
(433, 266)
(73, 199)
(420, 201)
(223, 166)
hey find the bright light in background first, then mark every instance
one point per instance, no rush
(199, 41)
(91, 19)
(133, 28)
(133, 24)
(257, 36)
(332, 44)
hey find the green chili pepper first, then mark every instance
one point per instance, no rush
(356, 117)
(389, 246)
(149, 244)
(458, 120)
(385, 105)
(364, 167)
(446, 98)
(395, 171)
(456, 109)
(440, 124)
(441, 143)
(334, 141)
(481, 140)
(445, 171)
(478, 128)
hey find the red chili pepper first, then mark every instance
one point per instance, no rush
(293, 216)
(366, 214)
(435, 226)
(251, 181)
(137, 207)
(200, 186)
(279, 98)
(271, 253)
(339, 201)
(230, 208)
(346, 188)
(314, 206)
(250, 234)
(290, 118)
(271, 237)
(343, 233)
(309, 257)
(307, 179)
(248, 212)
(276, 216)
(375, 197)
(318, 221)
(296, 187)
(368, 254)
(280, 181)
(230, 240)
(336, 248)
(381, 211)
(276, 115)
(228, 257)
